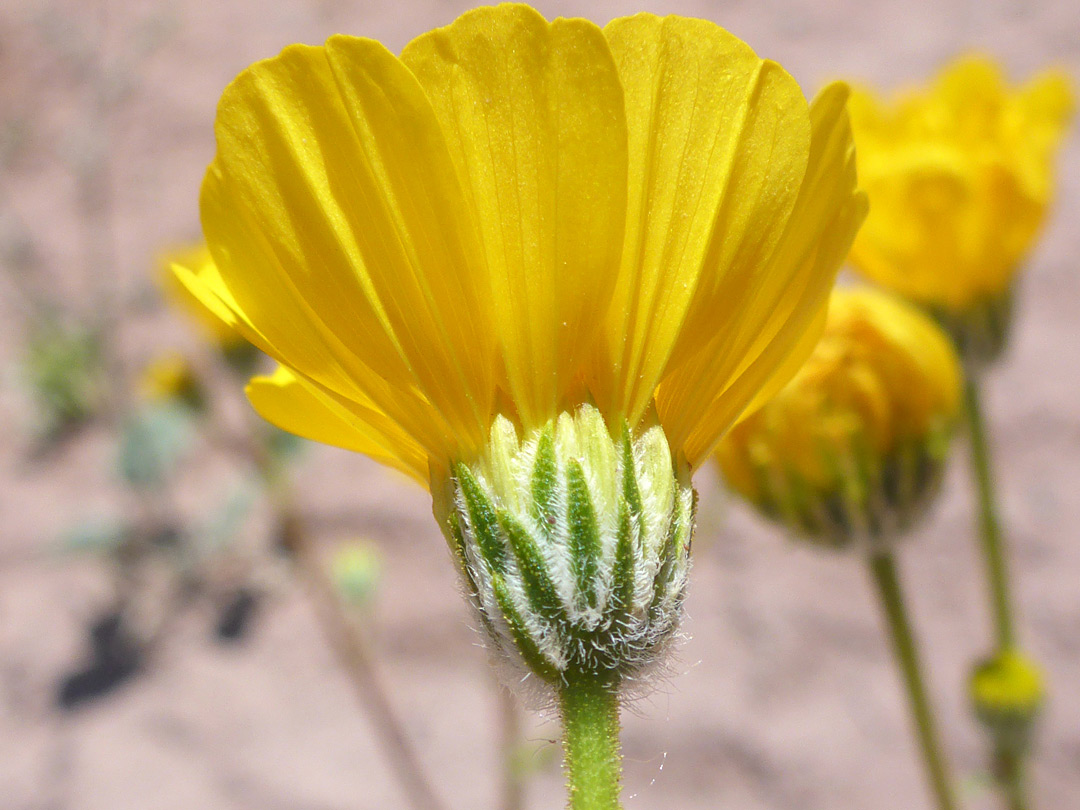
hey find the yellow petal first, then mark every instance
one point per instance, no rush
(533, 112)
(1049, 100)
(296, 405)
(334, 213)
(779, 320)
(204, 282)
(718, 145)
(195, 260)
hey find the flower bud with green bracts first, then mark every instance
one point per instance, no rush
(852, 451)
(574, 546)
(980, 330)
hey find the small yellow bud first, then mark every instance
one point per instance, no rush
(1007, 693)
(356, 569)
(853, 447)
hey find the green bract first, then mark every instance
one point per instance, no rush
(574, 545)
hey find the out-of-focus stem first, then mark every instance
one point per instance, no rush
(883, 572)
(356, 659)
(993, 544)
(1008, 765)
(512, 790)
(1009, 773)
(345, 638)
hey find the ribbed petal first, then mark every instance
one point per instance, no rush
(335, 216)
(718, 146)
(299, 406)
(534, 115)
(196, 259)
(780, 318)
(204, 282)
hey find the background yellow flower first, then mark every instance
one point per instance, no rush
(169, 376)
(882, 380)
(959, 176)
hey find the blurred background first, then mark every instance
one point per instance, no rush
(163, 645)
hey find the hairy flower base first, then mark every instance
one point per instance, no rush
(870, 501)
(575, 546)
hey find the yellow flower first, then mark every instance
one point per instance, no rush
(959, 176)
(540, 267)
(517, 217)
(169, 377)
(860, 426)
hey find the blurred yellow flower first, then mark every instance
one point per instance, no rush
(517, 217)
(864, 419)
(169, 377)
(959, 176)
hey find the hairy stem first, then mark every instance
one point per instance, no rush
(593, 763)
(883, 572)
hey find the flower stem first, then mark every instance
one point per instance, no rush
(1008, 766)
(989, 526)
(512, 789)
(883, 571)
(358, 662)
(1009, 774)
(590, 714)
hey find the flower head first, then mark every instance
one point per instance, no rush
(853, 445)
(959, 176)
(169, 377)
(517, 222)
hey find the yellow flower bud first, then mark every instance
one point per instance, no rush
(853, 446)
(1007, 692)
(356, 568)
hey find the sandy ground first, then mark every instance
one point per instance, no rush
(783, 697)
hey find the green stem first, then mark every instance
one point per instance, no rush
(1009, 774)
(993, 544)
(590, 714)
(883, 570)
(1008, 765)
